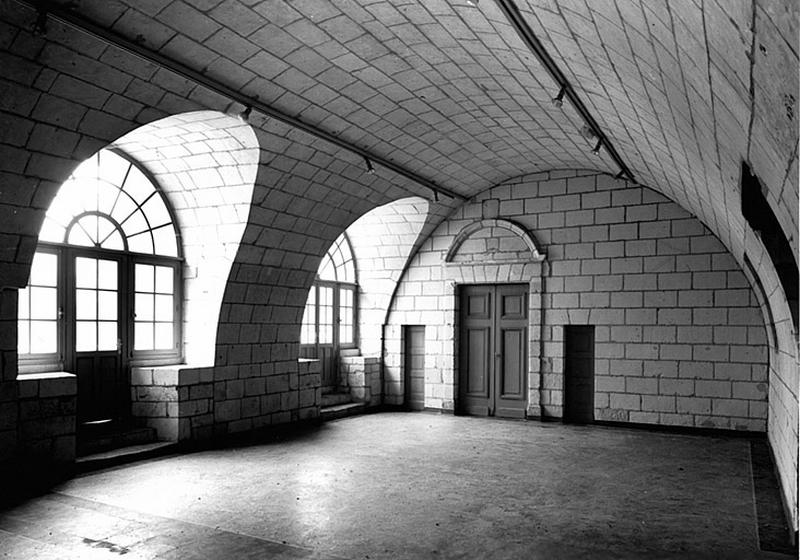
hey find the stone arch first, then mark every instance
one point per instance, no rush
(205, 163)
(489, 224)
(383, 240)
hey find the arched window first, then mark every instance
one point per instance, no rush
(329, 321)
(104, 289)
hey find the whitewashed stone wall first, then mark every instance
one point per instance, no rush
(680, 339)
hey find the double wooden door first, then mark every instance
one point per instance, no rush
(493, 350)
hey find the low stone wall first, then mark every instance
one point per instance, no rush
(179, 401)
(47, 417)
(309, 388)
(363, 377)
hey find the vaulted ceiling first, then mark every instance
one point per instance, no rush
(683, 90)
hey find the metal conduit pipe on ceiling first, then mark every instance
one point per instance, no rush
(65, 15)
(517, 20)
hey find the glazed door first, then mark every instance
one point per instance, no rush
(579, 374)
(96, 338)
(493, 350)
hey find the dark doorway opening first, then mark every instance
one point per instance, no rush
(414, 366)
(579, 374)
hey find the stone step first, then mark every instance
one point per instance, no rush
(342, 410)
(94, 438)
(124, 455)
(333, 399)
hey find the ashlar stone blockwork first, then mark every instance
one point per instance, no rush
(680, 339)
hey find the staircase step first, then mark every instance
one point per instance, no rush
(123, 455)
(333, 399)
(342, 410)
(96, 438)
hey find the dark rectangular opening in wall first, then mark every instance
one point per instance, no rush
(414, 366)
(578, 374)
(758, 213)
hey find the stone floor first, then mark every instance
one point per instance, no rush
(398, 485)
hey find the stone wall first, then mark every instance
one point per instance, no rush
(680, 339)
(362, 374)
(183, 403)
(47, 413)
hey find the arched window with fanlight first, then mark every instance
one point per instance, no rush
(329, 320)
(104, 289)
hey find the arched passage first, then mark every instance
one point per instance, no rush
(165, 207)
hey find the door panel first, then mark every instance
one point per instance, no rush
(493, 350)
(513, 358)
(513, 305)
(478, 306)
(579, 374)
(415, 367)
(478, 363)
(101, 386)
(330, 366)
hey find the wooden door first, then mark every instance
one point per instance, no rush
(493, 342)
(96, 340)
(579, 374)
(414, 366)
(511, 350)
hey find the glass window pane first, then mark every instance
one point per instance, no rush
(143, 307)
(137, 185)
(85, 272)
(83, 198)
(91, 225)
(164, 308)
(62, 209)
(156, 212)
(43, 303)
(114, 242)
(77, 236)
(44, 269)
(327, 270)
(142, 243)
(107, 275)
(325, 295)
(306, 336)
(325, 334)
(107, 335)
(166, 243)
(143, 336)
(107, 305)
(164, 279)
(23, 303)
(112, 167)
(135, 224)
(163, 336)
(144, 277)
(346, 334)
(85, 336)
(23, 337)
(104, 230)
(44, 337)
(51, 231)
(123, 208)
(85, 304)
(108, 195)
